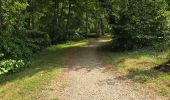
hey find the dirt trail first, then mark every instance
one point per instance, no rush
(85, 79)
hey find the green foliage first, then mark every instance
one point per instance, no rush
(40, 40)
(1, 55)
(13, 13)
(20, 45)
(139, 23)
(63, 20)
(23, 44)
(11, 66)
(67, 20)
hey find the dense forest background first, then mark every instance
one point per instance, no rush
(28, 26)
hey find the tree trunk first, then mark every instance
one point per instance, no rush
(1, 19)
(68, 19)
(28, 20)
(61, 15)
(86, 3)
(62, 11)
(102, 26)
(32, 21)
(56, 10)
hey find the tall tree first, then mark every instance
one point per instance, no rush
(68, 17)
(1, 20)
(86, 9)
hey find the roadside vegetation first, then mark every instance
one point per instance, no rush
(30, 82)
(139, 66)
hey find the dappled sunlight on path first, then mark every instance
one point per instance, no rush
(86, 78)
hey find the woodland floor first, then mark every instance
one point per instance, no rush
(86, 77)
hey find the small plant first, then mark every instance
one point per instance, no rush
(1, 55)
(11, 66)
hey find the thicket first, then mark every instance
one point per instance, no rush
(137, 23)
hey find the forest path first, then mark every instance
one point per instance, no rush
(85, 78)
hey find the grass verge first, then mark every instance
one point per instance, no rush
(138, 65)
(30, 83)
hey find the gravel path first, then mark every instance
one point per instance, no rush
(86, 79)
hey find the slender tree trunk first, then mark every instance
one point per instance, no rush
(56, 10)
(29, 11)
(60, 16)
(32, 21)
(68, 19)
(61, 13)
(1, 19)
(57, 13)
(98, 28)
(102, 26)
(32, 16)
(86, 3)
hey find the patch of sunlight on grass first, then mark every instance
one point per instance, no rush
(146, 58)
(54, 98)
(137, 59)
(69, 45)
(164, 77)
(30, 83)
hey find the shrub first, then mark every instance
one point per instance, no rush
(23, 44)
(11, 66)
(39, 38)
(20, 45)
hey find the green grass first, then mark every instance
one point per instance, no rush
(30, 83)
(138, 65)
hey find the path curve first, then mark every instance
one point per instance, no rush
(86, 79)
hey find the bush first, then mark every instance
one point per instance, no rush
(23, 44)
(11, 66)
(39, 38)
(36, 40)
(20, 45)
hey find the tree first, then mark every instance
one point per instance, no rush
(136, 23)
(1, 20)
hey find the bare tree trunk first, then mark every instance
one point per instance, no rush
(1, 19)
(61, 12)
(29, 9)
(56, 11)
(60, 16)
(68, 19)
(86, 3)
(32, 21)
(102, 26)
